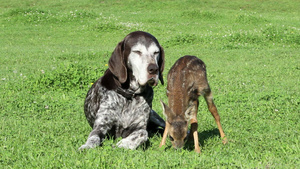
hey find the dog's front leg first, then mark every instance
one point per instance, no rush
(97, 134)
(135, 139)
(92, 142)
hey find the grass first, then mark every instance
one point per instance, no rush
(51, 52)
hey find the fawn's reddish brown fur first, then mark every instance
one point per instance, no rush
(186, 82)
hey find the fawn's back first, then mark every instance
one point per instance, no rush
(186, 82)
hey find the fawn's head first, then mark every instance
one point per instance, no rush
(178, 125)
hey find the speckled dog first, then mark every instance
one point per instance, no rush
(120, 102)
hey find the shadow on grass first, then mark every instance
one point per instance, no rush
(204, 135)
(189, 145)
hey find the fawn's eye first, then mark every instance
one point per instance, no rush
(171, 138)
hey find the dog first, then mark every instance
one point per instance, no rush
(119, 103)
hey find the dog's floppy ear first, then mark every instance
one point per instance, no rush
(161, 64)
(117, 63)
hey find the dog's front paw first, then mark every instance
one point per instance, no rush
(126, 144)
(92, 142)
(85, 146)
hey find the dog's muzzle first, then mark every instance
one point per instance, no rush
(152, 82)
(153, 74)
(152, 69)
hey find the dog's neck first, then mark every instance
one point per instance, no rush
(134, 85)
(128, 89)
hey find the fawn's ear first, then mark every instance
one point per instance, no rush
(190, 112)
(166, 111)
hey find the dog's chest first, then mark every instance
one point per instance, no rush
(125, 115)
(134, 112)
(129, 115)
(126, 112)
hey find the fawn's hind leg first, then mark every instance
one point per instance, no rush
(213, 109)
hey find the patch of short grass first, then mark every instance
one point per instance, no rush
(51, 52)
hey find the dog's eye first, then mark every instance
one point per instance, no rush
(156, 53)
(138, 52)
(171, 138)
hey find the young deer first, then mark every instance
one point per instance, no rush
(186, 82)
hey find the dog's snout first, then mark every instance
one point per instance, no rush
(152, 69)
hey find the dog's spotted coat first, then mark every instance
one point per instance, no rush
(120, 102)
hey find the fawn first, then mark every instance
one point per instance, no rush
(186, 82)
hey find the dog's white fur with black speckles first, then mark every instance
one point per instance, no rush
(120, 102)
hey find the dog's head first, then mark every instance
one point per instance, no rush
(140, 54)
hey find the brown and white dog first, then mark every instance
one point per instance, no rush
(120, 102)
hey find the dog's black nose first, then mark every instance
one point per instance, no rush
(152, 69)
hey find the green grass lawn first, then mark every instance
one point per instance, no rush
(51, 52)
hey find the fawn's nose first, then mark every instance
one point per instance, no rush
(152, 69)
(177, 144)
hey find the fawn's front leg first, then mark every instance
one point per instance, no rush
(194, 131)
(163, 141)
(194, 127)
